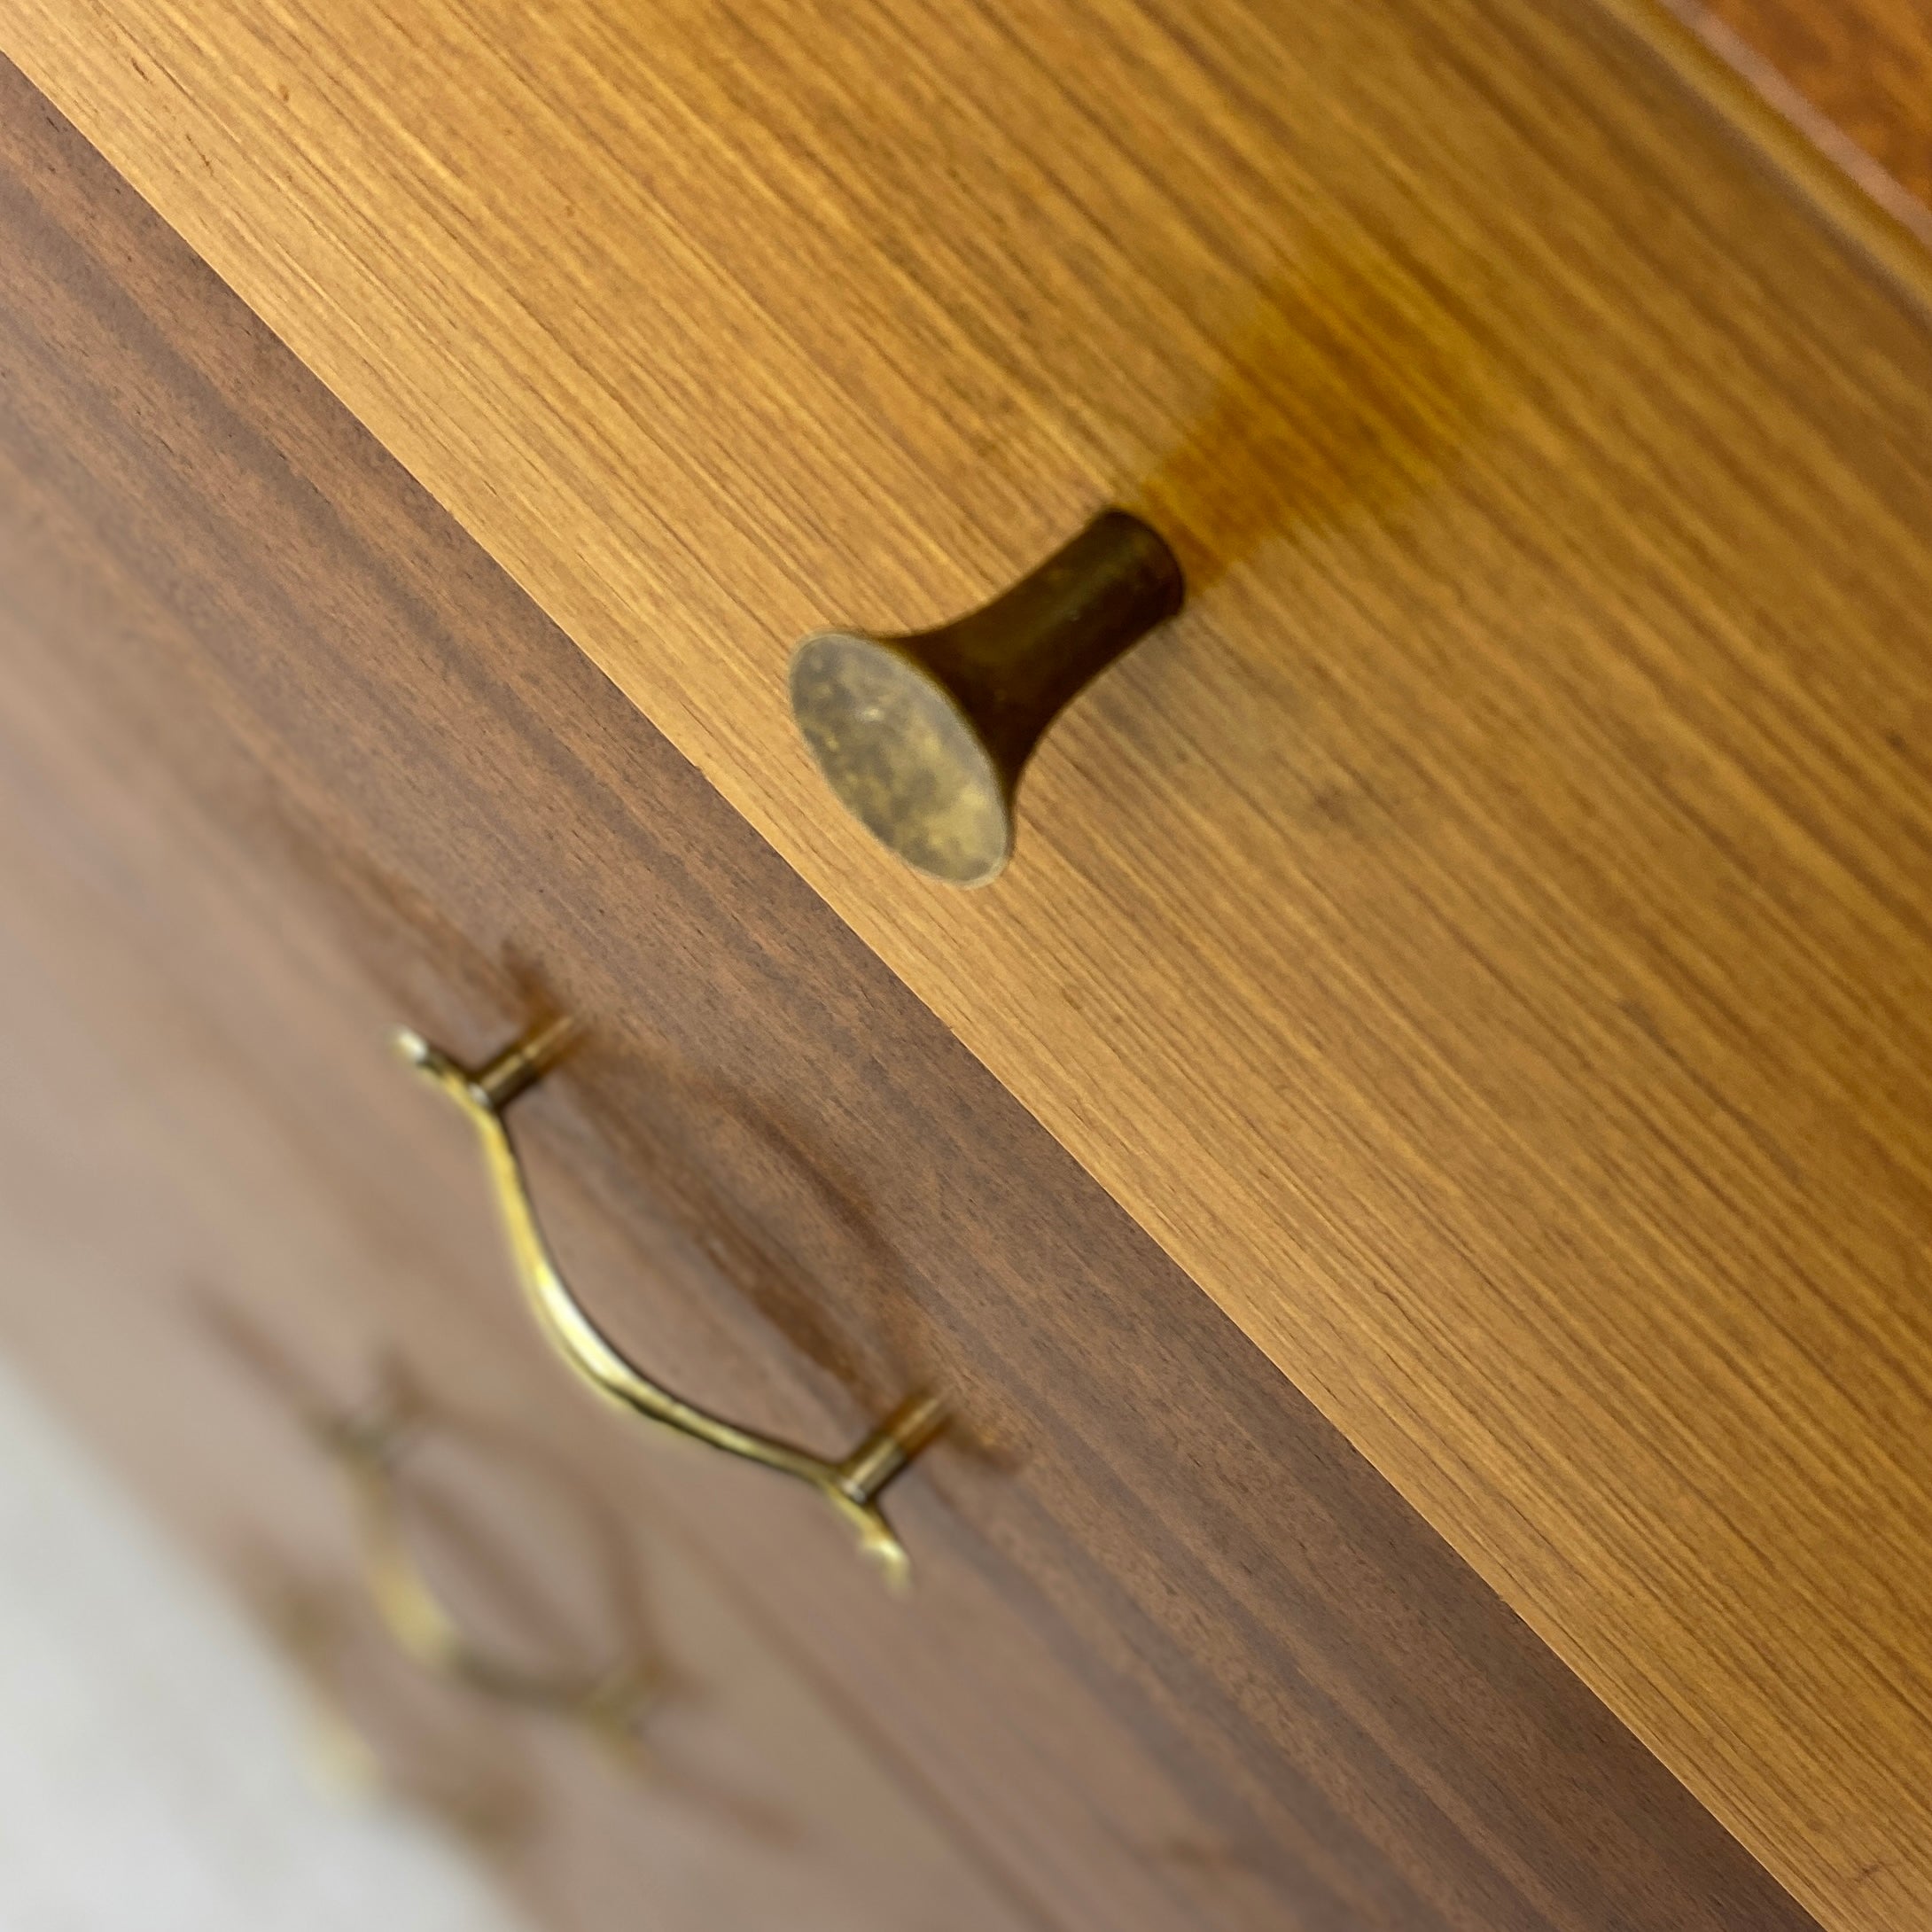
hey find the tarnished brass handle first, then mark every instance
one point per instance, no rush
(852, 1486)
(368, 1448)
(924, 736)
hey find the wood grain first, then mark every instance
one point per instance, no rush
(281, 767)
(1484, 941)
(1864, 69)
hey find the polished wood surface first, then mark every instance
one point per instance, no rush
(1863, 66)
(189, 1263)
(284, 763)
(1484, 941)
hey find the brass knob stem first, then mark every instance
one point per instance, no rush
(924, 736)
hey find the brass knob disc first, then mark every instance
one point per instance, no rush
(922, 737)
(902, 755)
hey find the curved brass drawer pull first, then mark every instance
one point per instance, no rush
(852, 1486)
(368, 1448)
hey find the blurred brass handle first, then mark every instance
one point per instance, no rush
(367, 1448)
(306, 1628)
(342, 1755)
(852, 1486)
(924, 736)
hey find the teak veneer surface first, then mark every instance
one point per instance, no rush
(1177, 1660)
(1864, 66)
(1485, 940)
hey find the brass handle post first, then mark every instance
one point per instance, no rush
(851, 1485)
(924, 736)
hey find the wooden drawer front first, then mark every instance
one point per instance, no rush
(1177, 1659)
(1483, 941)
(153, 1199)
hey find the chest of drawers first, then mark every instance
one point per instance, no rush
(1480, 944)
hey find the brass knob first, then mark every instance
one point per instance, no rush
(924, 736)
